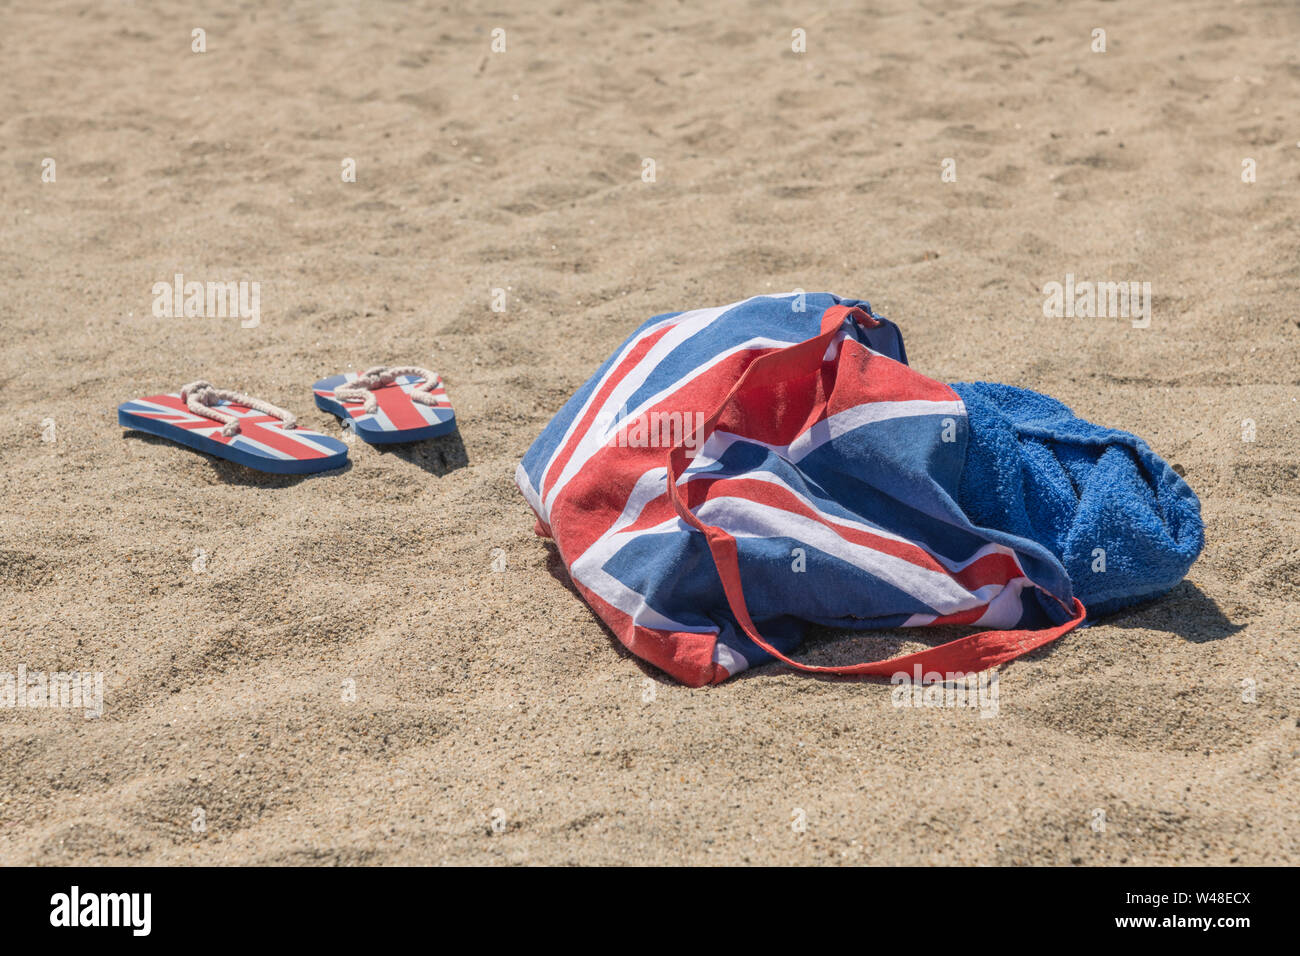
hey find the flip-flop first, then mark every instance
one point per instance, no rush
(236, 427)
(387, 405)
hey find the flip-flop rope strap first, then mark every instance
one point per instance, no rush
(200, 396)
(381, 375)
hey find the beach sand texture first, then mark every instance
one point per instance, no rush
(234, 615)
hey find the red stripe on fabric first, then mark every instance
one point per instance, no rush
(993, 568)
(970, 654)
(580, 428)
(686, 655)
(174, 402)
(614, 464)
(276, 437)
(588, 505)
(879, 378)
(969, 616)
(399, 408)
(250, 427)
(777, 412)
(196, 423)
(700, 489)
(973, 653)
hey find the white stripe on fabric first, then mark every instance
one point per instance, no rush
(1006, 610)
(596, 437)
(408, 384)
(627, 350)
(622, 355)
(307, 438)
(181, 414)
(526, 486)
(240, 440)
(729, 658)
(652, 483)
(828, 429)
(684, 326)
(857, 524)
(589, 568)
(743, 518)
(632, 603)
(765, 522)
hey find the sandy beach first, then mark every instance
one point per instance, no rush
(384, 665)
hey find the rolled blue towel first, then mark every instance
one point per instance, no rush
(1034, 469)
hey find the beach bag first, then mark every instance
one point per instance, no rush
(731, 475)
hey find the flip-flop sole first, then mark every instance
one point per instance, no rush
(398, 419)
(262, 442)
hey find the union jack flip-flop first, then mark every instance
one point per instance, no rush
(236, 427)
(387, 405)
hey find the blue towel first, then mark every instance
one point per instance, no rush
(1034, 469)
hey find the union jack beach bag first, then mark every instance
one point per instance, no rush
(732, 474)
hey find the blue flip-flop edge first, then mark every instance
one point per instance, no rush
(274, 466)
(368, 432)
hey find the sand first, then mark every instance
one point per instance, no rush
(330, 670)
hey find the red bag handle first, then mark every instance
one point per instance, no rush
(969, 654)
